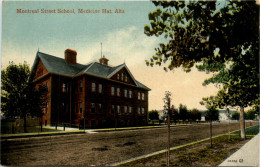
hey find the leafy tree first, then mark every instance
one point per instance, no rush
(252, 113)
(183, 112)
(219, 36)
(212, 114)
(235, 116)
(174, 114)
(19, 98)
(195, 114)
(153, 115)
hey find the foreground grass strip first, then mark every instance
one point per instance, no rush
(192, 154)
(40, 134)
(139, 160)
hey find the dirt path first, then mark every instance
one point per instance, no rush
(100, 148)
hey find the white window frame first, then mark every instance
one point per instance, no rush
(118, 92)
(93, 87)
(100, 88)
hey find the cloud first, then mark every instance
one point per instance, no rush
(128, 45)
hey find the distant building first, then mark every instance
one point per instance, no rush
(107, 96)
(162, 114)
(223, 116)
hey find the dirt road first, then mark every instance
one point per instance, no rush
(100, 148)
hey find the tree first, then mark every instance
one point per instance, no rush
(174, 114)
(167, 107)
(235, 116)
(212, 114)
(183, 112)
(216, 35)
(153, 115)
(19, 98)
(251, 114)
(195, 115)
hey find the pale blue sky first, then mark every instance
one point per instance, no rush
(122, 36)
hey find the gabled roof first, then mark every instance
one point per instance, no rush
(59, 66)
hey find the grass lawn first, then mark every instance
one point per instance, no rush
(6, 128)
(253, 130)
(199, 154)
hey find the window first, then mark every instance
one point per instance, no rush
(118, 76)
(142, 110)
(130, 94)
(125, 108)
(112, 91)
(80, 107)
(139, 110)
(122, 76)
(100, 88)
(80, 86)
(142, 96)
(93, 87)
(63, 87)
(113, 109)
(118, 91)
(93, 108)
(125, 93)
(139, 96)
(125, 78)
(100, 108)
(130, 110)
(118, 110)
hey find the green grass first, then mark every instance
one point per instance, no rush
(253, 130)
(196, 153)
(40, 133)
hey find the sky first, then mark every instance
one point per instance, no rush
(122, 36)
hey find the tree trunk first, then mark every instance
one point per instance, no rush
(242, 123)
(24, 124)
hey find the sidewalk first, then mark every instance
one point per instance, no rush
(248, 155)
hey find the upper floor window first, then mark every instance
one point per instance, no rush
(63, 87)
(139, 96)
(142, 96)
(100, 88)
(80, 107)
(100, 108)
(122, 76)
(112, 91)
(93, 87)
(130, 110)
(93, 107)
(139, 110)
(118, 91)
(125, 108)
(113, 109)
(125, 93)
(142, 110)
(118, 110)
(118, 76)
(126, 78)
(130, 94)
(47, 85)
(80, 86)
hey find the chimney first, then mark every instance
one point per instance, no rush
(103, 60)
(70, 56)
